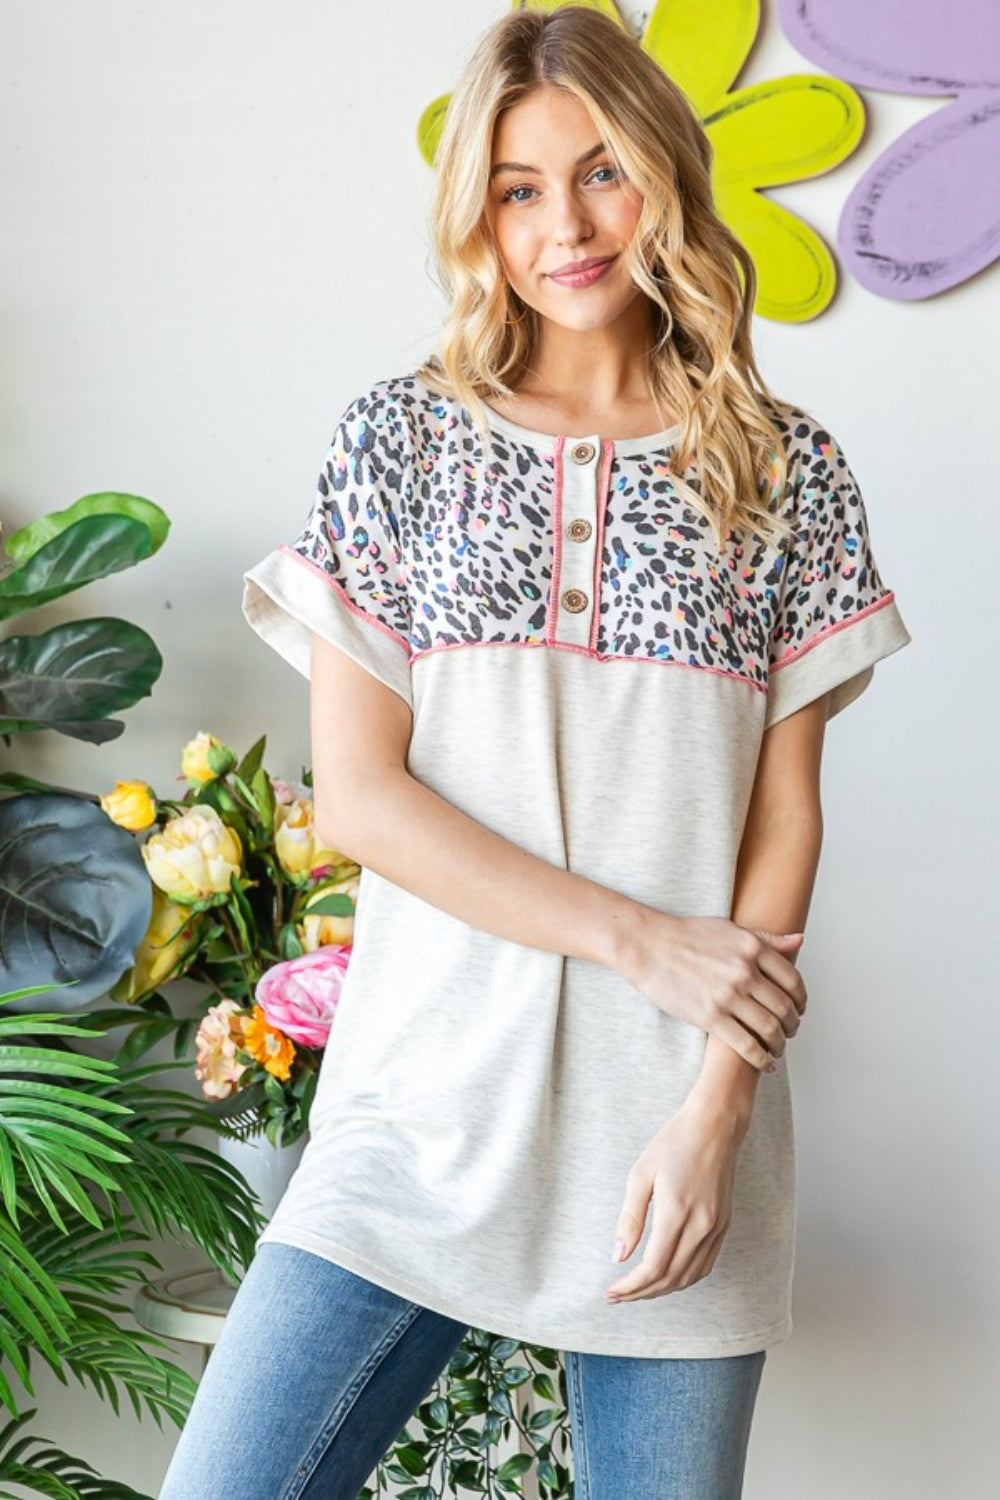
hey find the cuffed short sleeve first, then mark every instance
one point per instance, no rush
(344, 575)
(835, 617)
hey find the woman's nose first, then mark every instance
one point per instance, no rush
(570, 221)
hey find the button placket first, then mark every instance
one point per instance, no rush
(581, 465)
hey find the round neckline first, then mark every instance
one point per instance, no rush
(633, 447)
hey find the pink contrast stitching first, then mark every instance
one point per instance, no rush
(602, 505)
(798, 651)
(550, 627)
(338, 589)
(584, 651)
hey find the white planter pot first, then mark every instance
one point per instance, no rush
(267, 1169)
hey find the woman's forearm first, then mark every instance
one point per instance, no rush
(457, 864)
(774, 884)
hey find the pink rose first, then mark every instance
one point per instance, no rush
(286, 792)
(300, 995)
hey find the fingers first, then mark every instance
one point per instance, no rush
(771, 1029)
(678, 1276)
(631, 1222)
(632, 1219)
(682, 1248)
(743, 1041)
(784, 974)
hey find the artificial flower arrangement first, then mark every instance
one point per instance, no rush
(248, 901)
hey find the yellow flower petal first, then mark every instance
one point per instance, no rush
(796, 274)
(606, 7)
(784, 130)
(702, 44)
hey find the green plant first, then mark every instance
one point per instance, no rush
(94, 1163)
(74, 900)
(474, 1404)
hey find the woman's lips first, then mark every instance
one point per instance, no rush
(583, 277)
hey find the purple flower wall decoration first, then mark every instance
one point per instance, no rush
(926, 214)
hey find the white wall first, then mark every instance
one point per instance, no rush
(214, 236)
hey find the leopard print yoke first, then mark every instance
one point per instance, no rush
(566, 543)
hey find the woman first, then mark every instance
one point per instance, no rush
(576, 599)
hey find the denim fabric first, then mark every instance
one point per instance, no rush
(317, 1370)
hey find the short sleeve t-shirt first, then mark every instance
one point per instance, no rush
(591, 678)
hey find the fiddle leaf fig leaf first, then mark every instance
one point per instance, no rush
(88, 549)
(29, 539)
(77, 672)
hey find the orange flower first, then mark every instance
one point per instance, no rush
(267, 1045)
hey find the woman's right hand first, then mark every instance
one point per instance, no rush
(728, 980)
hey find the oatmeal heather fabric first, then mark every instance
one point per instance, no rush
(590, 678)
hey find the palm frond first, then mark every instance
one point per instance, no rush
(106, 1356)
(32, 1310)
(174, 1185)
(33, 1464)
(92, 1268)
(96, 1260)
(53, 1130)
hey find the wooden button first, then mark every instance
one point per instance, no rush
(579, 530)
(574, 600)
(582, 453)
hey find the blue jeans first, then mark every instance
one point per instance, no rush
(317, 1371)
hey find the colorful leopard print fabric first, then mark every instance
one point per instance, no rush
(443, 546)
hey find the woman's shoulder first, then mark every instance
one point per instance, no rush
(807, 440)
(396, 407)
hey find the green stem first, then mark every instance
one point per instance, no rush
(248, 976)
(204, 977)
(279, 917)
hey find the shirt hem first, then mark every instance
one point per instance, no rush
(544, 1335)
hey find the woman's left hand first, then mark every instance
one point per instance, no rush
(688, 1169)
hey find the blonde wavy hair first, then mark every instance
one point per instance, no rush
(690, 265)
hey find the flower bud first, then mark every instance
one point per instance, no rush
(131, 805)
(204, 758)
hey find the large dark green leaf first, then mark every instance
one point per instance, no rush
(75, 898)
(95, 732)
(76, 672)
(29, 539)
(89, 549)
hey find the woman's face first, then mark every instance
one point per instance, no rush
(556, 199)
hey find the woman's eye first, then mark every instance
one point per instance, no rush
(612, 170)
(509, 194)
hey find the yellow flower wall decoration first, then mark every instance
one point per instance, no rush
(785, 130)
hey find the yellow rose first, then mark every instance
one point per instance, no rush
(170, 936)
(317, 931)
(194, 856)
(295, 842)
(198, 755)
(131, 805)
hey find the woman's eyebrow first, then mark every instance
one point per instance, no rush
(519, 166)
